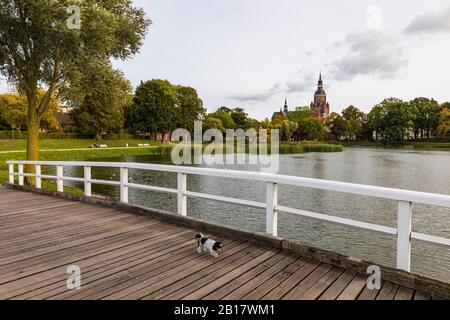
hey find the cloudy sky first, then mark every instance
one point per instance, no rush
(254, 53)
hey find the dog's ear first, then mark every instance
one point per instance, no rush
(198, 236)
(217, 246)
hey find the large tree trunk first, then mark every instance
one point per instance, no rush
(33, 124)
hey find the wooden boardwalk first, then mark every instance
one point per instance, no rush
(127, 256)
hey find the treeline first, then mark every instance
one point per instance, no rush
(392, 121)
(106, 105)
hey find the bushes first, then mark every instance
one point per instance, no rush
(322, 148)
(17, 135)
(309, 147)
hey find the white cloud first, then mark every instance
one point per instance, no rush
(304, 84)
(372, 52)
(258, 96)
(430, 22)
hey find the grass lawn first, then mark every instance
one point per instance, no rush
(53, 144)
(59, 150)
(14, 149)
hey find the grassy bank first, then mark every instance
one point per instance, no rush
(292, 148)
(54, 144)
(59, 150)
(81, 155)
(425, 145)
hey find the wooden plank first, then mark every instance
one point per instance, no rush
(420, 295)
(157, 282)
(312, 286)
(57, 227)
(127, 256)
(281, 290)
(404, 293)
(62, 232)
(49, 253)
(144, 275)
(197, 279)
(250, 285)
(370, 294)
(111, 262)
(338, 286)
(54, 259)
(22, 256)
(353, 290)
(98, 276)
(387, 292)
(244, 278)
(55, 278)
(276, 280)
(316, 290)
(218, 283)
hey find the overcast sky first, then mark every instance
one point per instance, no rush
(254, 53)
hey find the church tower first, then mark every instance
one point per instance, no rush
(320, 106)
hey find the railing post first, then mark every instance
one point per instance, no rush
(11, 173)
(59, 178)
(21, 177)
(404, 219)
(182, 199)
(123, 185)
(38, 177)
(271, 212)
(87, 183)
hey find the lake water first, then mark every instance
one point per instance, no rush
(427, 171)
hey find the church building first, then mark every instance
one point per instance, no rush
(320, 106)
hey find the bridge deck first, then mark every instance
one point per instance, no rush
(127, 256)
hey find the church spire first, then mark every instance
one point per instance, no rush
(320, 81)
(286, 108)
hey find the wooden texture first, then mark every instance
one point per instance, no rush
(124, 255)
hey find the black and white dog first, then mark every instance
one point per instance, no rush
(205, 244)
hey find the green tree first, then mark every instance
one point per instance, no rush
(355, 121)
(104, 94)
(252, 124)
(213, 123)
(375, 120)
(425, 116)
(337, 125)
(13, 111)
(190, 107)
(49, 121)
(443, 129)
(301, 113)
(287, 129)
(310, 129)
(225, 117)
(395, 120)
(38, 47)
(154, 107)
(239, 117)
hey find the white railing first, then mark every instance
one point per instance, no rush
(405, 198)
